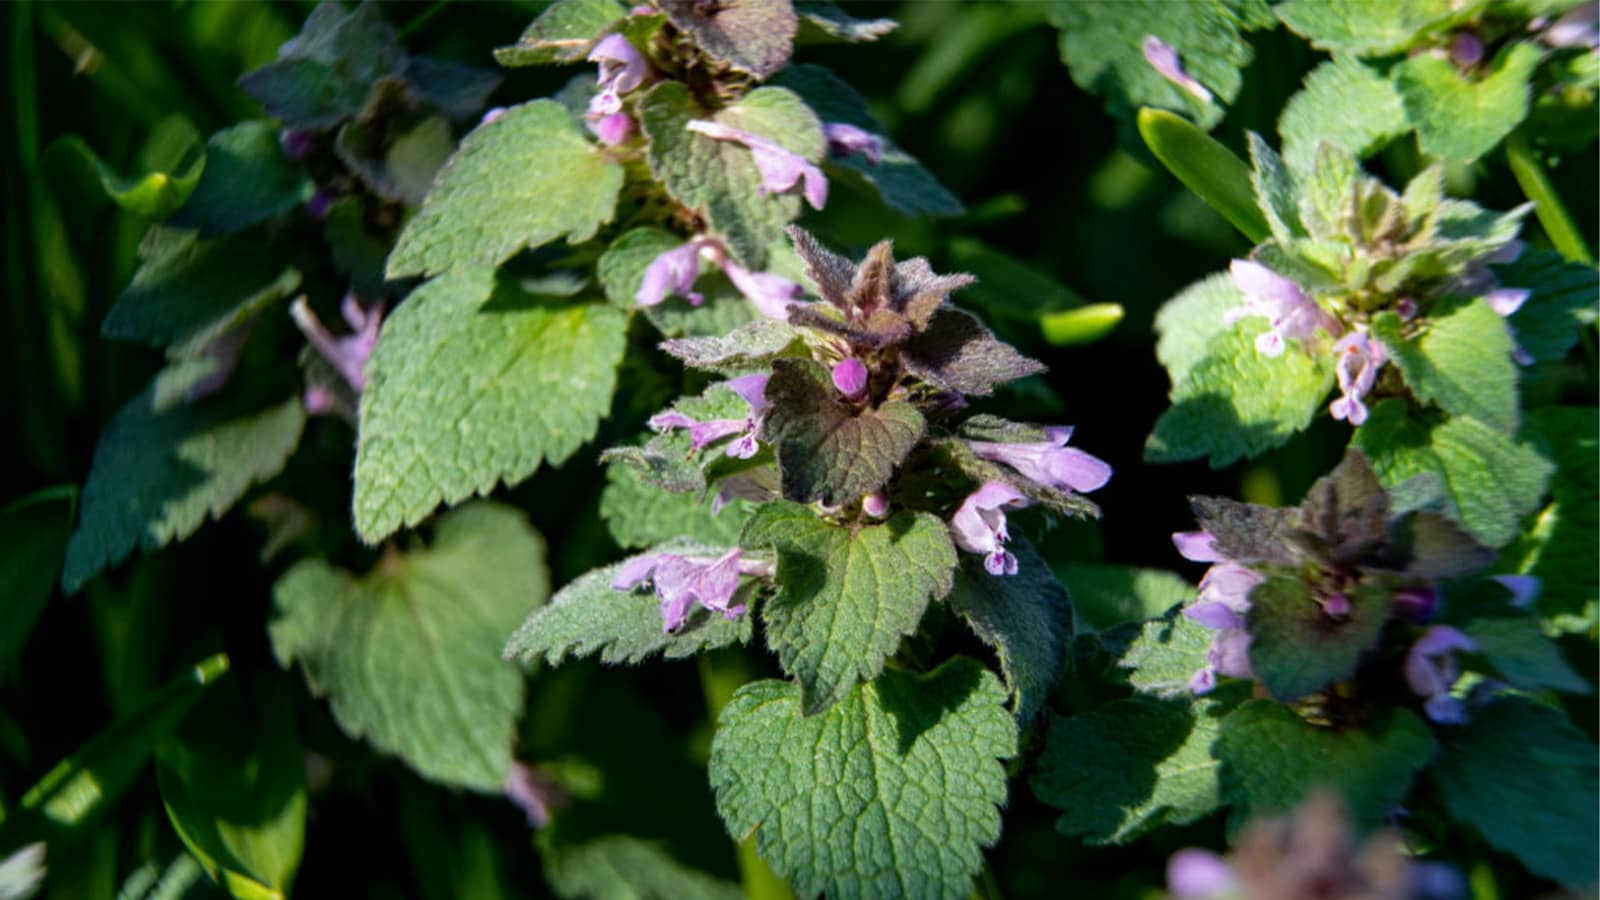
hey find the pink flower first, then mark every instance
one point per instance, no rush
(1294, 315)
(845, 139)
(1431, 671)
(780, 167)
(1164, 59)
(346, 355)
(979, 525)
(611, 129)
(675, 271)
(750, 387)
(1360, 359)
(1049, 462)
(680, 581)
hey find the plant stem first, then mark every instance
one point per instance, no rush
(721, 673)
(1553, 216)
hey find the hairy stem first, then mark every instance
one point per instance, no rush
(721, 673)
(1553, 216)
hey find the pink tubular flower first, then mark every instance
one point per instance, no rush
(622, 68)
(1049, 462)
(780, 167)
(1164, 59)
(1360, 358)
(979, 525)
(845, 139)
(1293, 314)
(1431, 671)
(681, 581)
(1524, 588)
(1221, 606)
(534, 792)
(753, 389)
(674, 272)
(347, 355)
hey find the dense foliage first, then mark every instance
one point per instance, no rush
(792, 582)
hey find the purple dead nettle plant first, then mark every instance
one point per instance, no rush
(1337, 268)
(346, 356)
(1323, 600)
(855, 403)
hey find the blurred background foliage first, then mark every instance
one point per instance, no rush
(1065, 207)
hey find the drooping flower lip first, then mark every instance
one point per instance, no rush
(1431, 671)
(752, 388)
(622, 67)
(979, 525)
(780, 167)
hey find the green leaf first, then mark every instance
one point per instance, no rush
(1166, 654)
(1084, 325)
(1102, 45)
(525, 179)
(846, 595)
(357, 253)
(1370, 27)
(1509, 639)
(1104, 597)
(459, 90)
(1186, 324)
(33, 540)
(1490, 481)
(151, 196)
(902, 182)
(89, 781)
(247, 179)
(1559, 545)
(409, 655)
(1526, 779)
(958, 352)
(621, 268)
(827, 450)
(1131, 765)
(1345, 104)
(460, 394)
(718, 179)
(1206, 167)
(639, 514)
(747, 347)
(589, 616)
(1461, 361)
(1296, 648)
(324, 74)
(1562, 303)
(621, 867)
(163, 466)
(189, 291)
(1026, 618)
(751, 36)
(1276, 191)
(563, 33)
(1461, 118)
(890, 793)
(398, 166)
(233, 784)
(1235, 403)
(1272, 759)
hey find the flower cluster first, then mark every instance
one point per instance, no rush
(858, 395)
(1349, 569)
(1342, 261)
